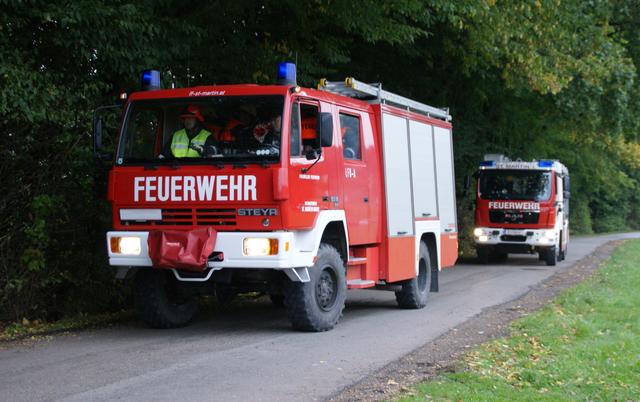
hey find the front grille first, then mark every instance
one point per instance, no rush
(221, 217)
(520, 238)
(519, 217)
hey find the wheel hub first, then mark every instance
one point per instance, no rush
(326, 290)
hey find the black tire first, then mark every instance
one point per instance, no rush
(161, 301)
(317, 305)
(551, 256)
(563, 250)
(483, 255)
(415, 292)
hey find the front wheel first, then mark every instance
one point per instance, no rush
(562, 255)
(162, 301)
(317, 305)
(483, 255)
(415, 292)
(551, 256)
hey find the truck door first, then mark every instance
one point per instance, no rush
(562, 214)
(443, 144)
(359, 189)
(312, 185)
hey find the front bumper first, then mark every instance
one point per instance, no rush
(230, 244)
(484, 236)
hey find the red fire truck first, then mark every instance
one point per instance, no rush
(354, 189)
(522, 207)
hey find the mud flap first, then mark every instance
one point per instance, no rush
(188, 250)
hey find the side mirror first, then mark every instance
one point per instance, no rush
(465, 186)
(326, 129)
(566, 183)
(98, 133)
(313, 154)
(97, 142)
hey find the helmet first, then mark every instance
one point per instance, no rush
(192, 111)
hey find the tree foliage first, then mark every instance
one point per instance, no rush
(533, 79)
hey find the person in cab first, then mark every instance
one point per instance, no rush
(192, 141)
(266, 133)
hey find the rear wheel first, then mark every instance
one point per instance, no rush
(317, 305)
(415, 292)
(162, 301)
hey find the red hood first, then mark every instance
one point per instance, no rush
(515, 214)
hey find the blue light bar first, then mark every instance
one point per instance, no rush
(286, 73)
(150, 80)
(545, 164)
(487, 163)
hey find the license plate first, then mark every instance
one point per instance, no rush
(514, 232)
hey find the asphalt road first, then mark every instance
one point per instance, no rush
(248, 352)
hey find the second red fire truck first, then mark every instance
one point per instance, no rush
(522, 207)
(353, 189)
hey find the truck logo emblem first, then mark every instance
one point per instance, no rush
(257, 211)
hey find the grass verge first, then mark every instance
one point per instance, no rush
(584, 345)
(24, 329)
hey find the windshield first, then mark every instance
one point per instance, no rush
(215, 129)
(515, 185)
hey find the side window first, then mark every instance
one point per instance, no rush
(294, 133)
(350, 131)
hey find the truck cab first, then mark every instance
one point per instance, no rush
(522, 207)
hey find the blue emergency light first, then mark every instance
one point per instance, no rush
(545, 164)
(487, 163)
(286, 73)
(150, 80)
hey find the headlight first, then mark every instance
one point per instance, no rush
(259, 246)
(550, 234)
(126, 245)
(478, 232)
(483, 238)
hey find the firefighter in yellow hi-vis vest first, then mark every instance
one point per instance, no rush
(193, 141)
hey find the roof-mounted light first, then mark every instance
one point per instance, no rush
(150, 80)
(545, 164)
(487, 163)
(287, 73)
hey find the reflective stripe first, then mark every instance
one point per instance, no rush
(180, 143)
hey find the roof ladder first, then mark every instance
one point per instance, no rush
(373, 93)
